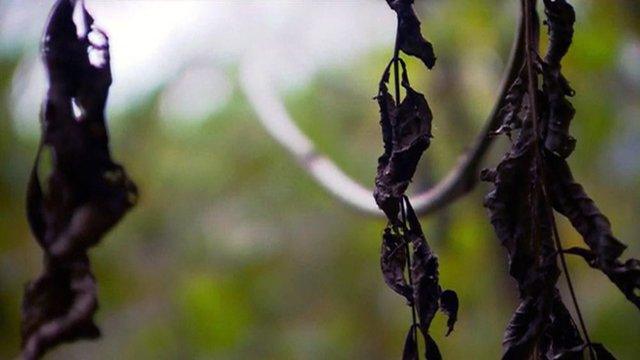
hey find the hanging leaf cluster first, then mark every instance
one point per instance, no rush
(83, 194)
(408, 264)
(532, 180)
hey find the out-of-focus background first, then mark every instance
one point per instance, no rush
(234, 252)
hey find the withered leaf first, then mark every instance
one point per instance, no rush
(570, 199)
(410, 39)
(86, 192)
(393, 262)
(560, 19)
(432, 352)
(410, 346)
(449, 305)
(407, 134)
(562, 333)
(529, 183)
(522, 330)
(424, 273)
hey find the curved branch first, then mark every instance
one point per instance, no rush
(274, 117)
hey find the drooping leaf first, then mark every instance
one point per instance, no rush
(410, 346)
(393, 260)
(570, 199)
(407, 134)
(410, 39)
(432, 352)
(424, 273)
(562, 334)
(84, 195)
(560, 19)
(530, 181)
(449, 305)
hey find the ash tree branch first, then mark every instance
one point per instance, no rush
(277, 121)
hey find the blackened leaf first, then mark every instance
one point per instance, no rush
(449, 305)
(410, 39)
(570, 199)
(560, 19)
(424, 272)
(408, 131)
(389, 203)
(392, 261)
(626, 276)
(410, 345)
(562, 335)
(84, 195)
(523, 331)
(560, 113)
(432, 352)
(426, 291)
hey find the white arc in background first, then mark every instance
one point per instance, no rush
(262, 95)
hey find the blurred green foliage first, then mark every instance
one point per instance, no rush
(235, 253)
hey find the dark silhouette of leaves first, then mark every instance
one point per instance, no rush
(406, 134)
(86, 193)
(531, 181)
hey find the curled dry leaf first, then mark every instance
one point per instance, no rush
(560, 20)
(409, 37)
(570, 199)
(406, 132)
(530, 181)
(84, 195)
(393, 261)
(449, 305)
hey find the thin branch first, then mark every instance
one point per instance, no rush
(273, 116)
